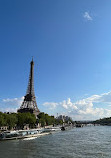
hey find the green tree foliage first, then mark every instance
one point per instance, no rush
(45, 119)
(21, 119)
(104, 121)
(11, 120)
(3, 119)
(58, 122)
(26, 118)
(14, 119)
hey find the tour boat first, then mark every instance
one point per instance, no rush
(53, 129)
(21, 134)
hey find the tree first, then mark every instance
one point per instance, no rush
(26, 118)
(45, 119)
(2, 119)
(11, 120)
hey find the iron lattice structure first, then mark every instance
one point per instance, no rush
(29, 103)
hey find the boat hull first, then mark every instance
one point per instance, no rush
(22, 134)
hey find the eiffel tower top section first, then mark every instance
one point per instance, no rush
(29, 103)
(30, 88)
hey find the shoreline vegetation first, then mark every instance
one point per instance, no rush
(20, 121)
(16, 121)
(103, 121)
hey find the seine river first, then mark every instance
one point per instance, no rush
(86, 142)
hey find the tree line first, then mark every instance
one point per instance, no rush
(20, 119)
(45, 120)
(103, 121)
(17, 119)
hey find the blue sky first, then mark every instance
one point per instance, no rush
(71, 45)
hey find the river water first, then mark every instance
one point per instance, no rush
(86, 142)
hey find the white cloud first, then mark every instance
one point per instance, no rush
(14, 101)
(87, 16)
(10, 105)
(68, 104)
(51, 105)
(8, 109)
(86, 109)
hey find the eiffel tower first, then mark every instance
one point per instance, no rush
(29, 103)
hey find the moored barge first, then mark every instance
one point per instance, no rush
(21, 134)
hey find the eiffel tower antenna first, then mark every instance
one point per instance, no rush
(29, 103)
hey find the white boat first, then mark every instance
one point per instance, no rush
(53, 129)
(21, 134)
